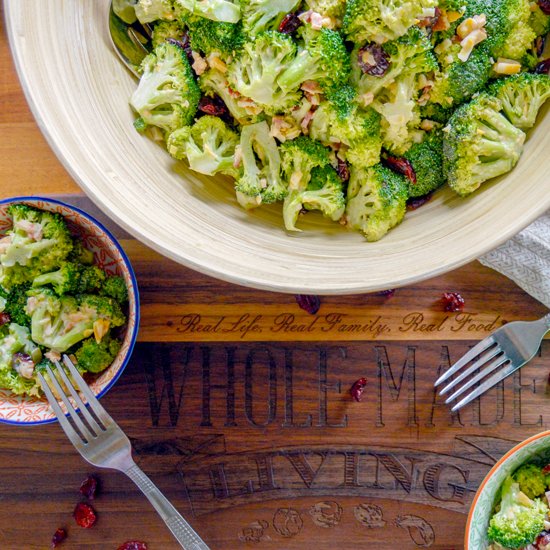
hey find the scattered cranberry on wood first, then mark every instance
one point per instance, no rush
(84, 515)
(132, 545)
(358, 388)
(453, 301)
(308, 303)
(58, 537)
(88, 487)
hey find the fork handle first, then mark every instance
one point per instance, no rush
(183, 532)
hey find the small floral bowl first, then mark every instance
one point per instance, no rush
(534, 449)
(109, 255)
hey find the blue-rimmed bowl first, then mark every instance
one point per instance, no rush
(109, 255)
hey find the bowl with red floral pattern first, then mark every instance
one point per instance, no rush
(66, 287)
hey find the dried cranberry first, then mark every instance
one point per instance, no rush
(185, 44)
(416, 202)
(542, 540)
(84, 515)
(544, 5)
(540, 43)
(401, 166)
(453, 301)
(58, 537)
(389, 293)
(290, 23)
(4, 318)
(213, 106)
(543, 67)
(133, 545)
(373, 60)
(88, 487)
(546, 470)
(358, 388)
(308, 303)
(343, 169)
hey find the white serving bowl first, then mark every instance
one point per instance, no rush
(109, 255)
(78, 91)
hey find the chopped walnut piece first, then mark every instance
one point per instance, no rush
(199, 64)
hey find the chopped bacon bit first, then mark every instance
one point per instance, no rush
(453, 301)
(357, 389)
(306, 120)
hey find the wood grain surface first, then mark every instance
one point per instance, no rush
(237, 403)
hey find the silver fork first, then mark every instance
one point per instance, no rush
(98, 438)
(505, 351)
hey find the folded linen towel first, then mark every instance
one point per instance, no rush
(525, 259)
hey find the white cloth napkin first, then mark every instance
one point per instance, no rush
(525, 259)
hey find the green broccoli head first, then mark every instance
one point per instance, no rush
(426, 158)
(260, 180)
(65, 280)
(519, 520)
(358, 129)
(16, 301)
(216, 10)
(328, 8)
(479, 144)
(324, 192)
(255, 71)
(38, 242)
(265, 15)
(539, 21)
(214, 83)
(148, 11)
(209, 36)
(59, 323)
(115, 287)
(531, 480)
(95, 357)
(376, 201)
(324, 59)
(299, 156)
(166, 30)
(167, 95)
(382, 20)
(92, 279)
(522, 96)
(209, 146)
(80, 254)
(520, 35)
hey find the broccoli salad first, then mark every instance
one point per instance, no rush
(53, 300)
(521, 518)
(349, 108)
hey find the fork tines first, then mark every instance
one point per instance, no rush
(478, 364)
(92, 420)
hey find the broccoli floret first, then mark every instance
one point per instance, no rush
(92, 279)
(324, 59)
(521, 97)
(426, 158)
(261, 165)
(217, 10)
(167, 95)
(531, 480)
(215, 83)
(16, 300)
(80, 254)
(126, 10)
(209, 36)
(65, 280)
(148, 11)
(376, 201)
(519, 520)
(265, 15)
(328, 8)
(324, 192)
(165, 30)
(38, 242)
(358, 129)
(96, 357)
(59, 323)
(255, 71)
(436, 112)
(520, 35)
(479, 143)
(115, 287)
(208, 145)
(298, 158)
(539, 21)
(382, 20)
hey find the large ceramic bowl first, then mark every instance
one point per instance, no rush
(533, 449)
(78, 91)
(109, 255)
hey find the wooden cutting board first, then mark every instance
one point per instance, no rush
(237, 403)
